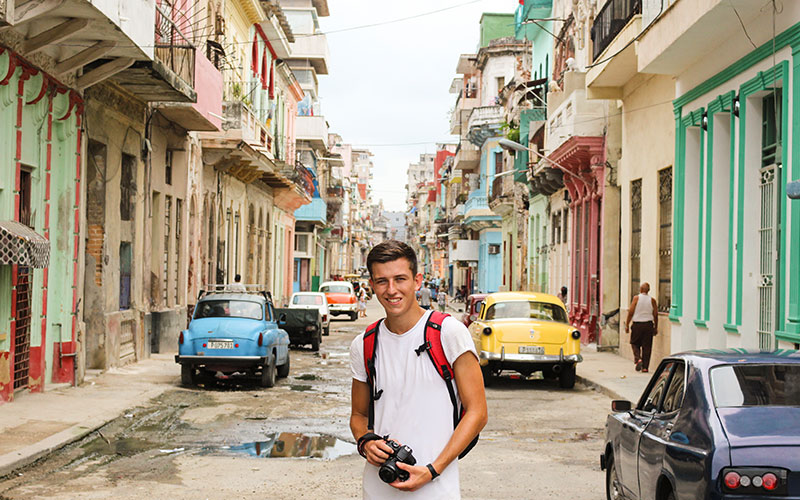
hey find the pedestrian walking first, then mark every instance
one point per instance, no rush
(644, 314)
(562, 296)
(362, 303)
(403, 396)
(425, 297)
(442, 300)
(236, 286)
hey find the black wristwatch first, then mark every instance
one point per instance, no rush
(434, 474)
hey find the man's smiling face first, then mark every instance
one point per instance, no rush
(395, 286)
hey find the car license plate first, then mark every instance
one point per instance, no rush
(220, 344)
(531, 349)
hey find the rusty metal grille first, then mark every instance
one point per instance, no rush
(636, 235)
(22, 331)
(665, 239)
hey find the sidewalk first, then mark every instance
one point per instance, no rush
(34, 425)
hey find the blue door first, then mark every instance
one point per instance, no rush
(296, 280)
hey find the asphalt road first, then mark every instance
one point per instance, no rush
(231, 439)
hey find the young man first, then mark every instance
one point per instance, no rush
(414, 408)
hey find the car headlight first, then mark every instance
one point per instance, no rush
(487, 330)
(576, 334)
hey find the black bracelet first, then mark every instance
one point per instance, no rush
(434, 474)
(369, 436)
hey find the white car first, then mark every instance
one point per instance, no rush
(313, 300)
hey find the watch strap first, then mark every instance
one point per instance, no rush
(434, 474)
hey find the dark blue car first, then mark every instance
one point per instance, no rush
(711, 424)
(233, 332)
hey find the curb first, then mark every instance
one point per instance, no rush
(15, 460)
(599, 387)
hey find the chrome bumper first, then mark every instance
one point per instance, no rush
(342, 307)
(531, 358)
(240, 361)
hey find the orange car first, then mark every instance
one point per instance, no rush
(341, 298)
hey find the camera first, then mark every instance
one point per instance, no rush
(389, 471)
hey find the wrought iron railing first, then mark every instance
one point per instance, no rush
(497, 187)
(172, 47)
(614, 15)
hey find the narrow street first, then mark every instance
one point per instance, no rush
(231, 439)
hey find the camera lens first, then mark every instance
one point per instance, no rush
(387, 474)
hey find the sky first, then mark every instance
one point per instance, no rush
(388, 85)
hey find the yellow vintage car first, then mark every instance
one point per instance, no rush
(526, 332)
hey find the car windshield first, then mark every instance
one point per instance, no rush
(756, 385)
(335, 289)
(307, 300)
(228, 309)
(524, 309)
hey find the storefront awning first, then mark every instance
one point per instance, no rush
(21, 245)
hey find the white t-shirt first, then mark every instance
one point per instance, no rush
(415, 407)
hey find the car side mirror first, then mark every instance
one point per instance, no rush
(620, 405)
(473, 317)
(282, 318)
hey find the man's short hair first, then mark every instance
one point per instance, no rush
(238, 277)
(389, 251)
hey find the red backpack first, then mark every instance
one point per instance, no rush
(433, 345)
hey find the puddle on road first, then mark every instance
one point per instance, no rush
(291, 445)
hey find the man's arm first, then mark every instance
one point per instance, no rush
(655, 316)
(377, 451)
(469, 381)
(630, 312)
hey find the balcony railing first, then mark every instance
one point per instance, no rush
(614, 15)
(336, 191)
(497, 187)
(171, 45)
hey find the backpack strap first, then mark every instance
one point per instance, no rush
(370, 347)
(433, 345)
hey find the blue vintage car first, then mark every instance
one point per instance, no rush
(234, 332)
(711, 424)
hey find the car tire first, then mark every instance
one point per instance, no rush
(187, 375)
(671, 495)
(283, 370)
(613, 488)
(315, 342)
(566, 379)
(353, 316)
(268, 373)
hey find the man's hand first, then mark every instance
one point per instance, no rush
(419, 476)
(377, 451)
(626, 327)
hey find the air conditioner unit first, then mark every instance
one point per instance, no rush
(494, 249)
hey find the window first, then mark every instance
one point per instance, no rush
(501, 82)
(168, 168)
(165, 258)
(756, 385)
(636, 236)
(652, 398)
(127, 188)
(125, 257)
(665, 239)
(177, 266)
(771, 129)
(228, 309)
(674, 396)
(335, 289)
(308, 300)
(301, 243)
(523, 309)
(565, 220)
(236, 229)
(498, 162)
(556, 228)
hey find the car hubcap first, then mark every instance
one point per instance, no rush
(613, 485)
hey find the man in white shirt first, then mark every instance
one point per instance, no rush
(644, 314)
(414, 408)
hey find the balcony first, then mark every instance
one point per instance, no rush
(611, 19)
(477, 214)
(313, 129)
(502, 200)
(316, 211)
(570, 114)
(170, 75)
(464, 250)
(680, 37)
(468, 158)
(203, 115)
(314, 49)
(335, 191)
(614, 30)
(484, 122)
